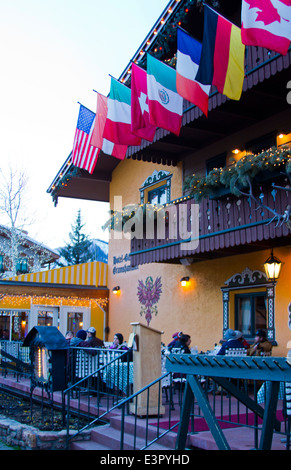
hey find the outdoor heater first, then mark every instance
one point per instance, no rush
(48, 355)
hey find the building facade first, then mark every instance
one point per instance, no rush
(70, 298)
(207, 207)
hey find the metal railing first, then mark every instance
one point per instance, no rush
(138, 436)
(99, 379)
(14, 358)
(237, 377)
(232, 391)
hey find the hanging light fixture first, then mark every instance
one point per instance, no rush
(272, 267)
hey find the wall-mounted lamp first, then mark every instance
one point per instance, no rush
(272, 267)
(184, 281)
(116, 290)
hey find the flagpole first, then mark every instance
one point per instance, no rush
(211, 8)
(116, 79)
(85, 107)
(189, 34)
(137, 65)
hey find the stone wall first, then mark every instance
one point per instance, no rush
(25, 437)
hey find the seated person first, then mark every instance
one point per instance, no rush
(118, 342)
(232, 341)
(79, 338)
(183, 344)
(175, 337)
(92, 341)
(261, 344)
(240, 337)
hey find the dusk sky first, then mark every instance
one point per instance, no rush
(53, 55)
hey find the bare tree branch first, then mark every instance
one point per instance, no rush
(281, 218)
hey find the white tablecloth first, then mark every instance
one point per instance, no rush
(115, 375)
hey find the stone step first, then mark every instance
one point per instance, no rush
(109, 437)
(88, 445)
(131, 426)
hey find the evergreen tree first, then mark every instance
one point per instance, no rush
(78, 251)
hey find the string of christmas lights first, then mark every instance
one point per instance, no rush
(239, 173)
(17, 300)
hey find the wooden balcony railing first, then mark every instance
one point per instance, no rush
(225, 225)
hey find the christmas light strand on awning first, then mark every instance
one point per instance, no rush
(51, 300)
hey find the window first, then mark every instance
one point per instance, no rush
(4, 325)
(156, 189)
(158, 195)
(19, 326)
(262, 143)
(45, 318)
(250, 312)
(252, 308)
(22, 266)
(1, 264)
(75, 321)
(13, 324)
(219, 161)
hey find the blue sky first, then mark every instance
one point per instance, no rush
(53, 54)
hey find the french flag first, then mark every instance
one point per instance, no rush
(188, 60)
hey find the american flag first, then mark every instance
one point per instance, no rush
(84, 155)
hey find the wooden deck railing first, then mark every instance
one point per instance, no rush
(225, 224)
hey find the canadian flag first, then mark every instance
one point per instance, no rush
(140, 125)
(267, 23)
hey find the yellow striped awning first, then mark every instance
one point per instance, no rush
(94, 274)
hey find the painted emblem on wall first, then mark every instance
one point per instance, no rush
(149, 295)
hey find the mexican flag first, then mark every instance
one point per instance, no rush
(118, 123)
(165, 104)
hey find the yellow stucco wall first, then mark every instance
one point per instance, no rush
(98, 319)
(196, 309)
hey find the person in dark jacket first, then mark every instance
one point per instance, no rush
(80, 336)
(232, 342)
(92, 341)
(261, 346)
(175, 337)
(183, 344)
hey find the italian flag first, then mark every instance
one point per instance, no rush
(118, 123)
(165, 104)
(97, 140)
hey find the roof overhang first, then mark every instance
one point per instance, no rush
(11, 288)
(87, 280)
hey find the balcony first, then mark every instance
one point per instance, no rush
(219, 226)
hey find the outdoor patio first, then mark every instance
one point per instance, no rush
(238, 424)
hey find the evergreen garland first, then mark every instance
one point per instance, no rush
(239, 173)
(232, 178)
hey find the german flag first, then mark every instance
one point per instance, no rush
(222, 55)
